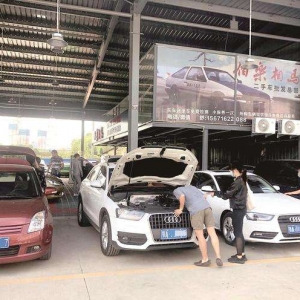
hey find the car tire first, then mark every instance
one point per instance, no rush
(227, 229)
(81, 216)
(48, 255)
(107, 247)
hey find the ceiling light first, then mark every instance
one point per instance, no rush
(12, 101)
(41, 16)
(1, 79)
(249, 63)
(57, 50)
(57, 41)
(52, 102)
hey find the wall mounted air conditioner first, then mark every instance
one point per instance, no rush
(289, 127)
(264, 125)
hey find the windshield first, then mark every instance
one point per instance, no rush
(256, 184)
(17, 185)
(218, 75)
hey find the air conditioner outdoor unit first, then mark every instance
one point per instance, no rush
(289, 127)
(263, 125)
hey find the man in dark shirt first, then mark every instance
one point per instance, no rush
(56, 163)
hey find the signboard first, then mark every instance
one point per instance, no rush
(193, 85)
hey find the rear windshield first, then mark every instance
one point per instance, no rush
(256, 184)
(18, 185)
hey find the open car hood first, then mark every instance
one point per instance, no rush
(169, 165)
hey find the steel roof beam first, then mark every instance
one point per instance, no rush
(48, 28)
(102, 51)
(32, 51)
(77, 8)
(231, 11)
(287, 3)
(83, 44)
(139, 6)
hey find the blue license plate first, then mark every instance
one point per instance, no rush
(293, 229)
(173, 234)
(4, 243)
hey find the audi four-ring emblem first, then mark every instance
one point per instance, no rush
(295, 219)
(172, 219)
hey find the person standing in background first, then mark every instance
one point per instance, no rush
(76, 172)
(56, 163)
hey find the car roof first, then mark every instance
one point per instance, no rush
(15, 168)
(16, 150)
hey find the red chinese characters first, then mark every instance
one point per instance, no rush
(259, 72)
(240, 71)
(277, 75)
(294, 78)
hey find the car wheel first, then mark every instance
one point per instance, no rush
(105, 238)
(48, 255)
(227, 229)
(174, 94)
(81, 216)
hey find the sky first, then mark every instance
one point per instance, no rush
(60, 133)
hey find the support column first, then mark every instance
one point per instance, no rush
(205, 150)
(134, 75)
(82, 137)
(299, 147)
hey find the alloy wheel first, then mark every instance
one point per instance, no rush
(104, 235)
(228, 229)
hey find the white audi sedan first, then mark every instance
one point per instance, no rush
(275, 218)
(130, 200)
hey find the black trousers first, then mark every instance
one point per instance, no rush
(237, 222)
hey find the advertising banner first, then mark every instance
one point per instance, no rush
(193, 85)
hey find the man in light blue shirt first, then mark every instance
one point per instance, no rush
(197, 205)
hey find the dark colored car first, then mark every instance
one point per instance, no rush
(26, 224)
(283, 173)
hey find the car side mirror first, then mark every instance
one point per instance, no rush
(276, 187)
(207, 189)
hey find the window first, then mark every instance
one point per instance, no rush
(181, 73)
(258, 185)
(195, 74)
(202, 179)
(225, 77)
(93, 174)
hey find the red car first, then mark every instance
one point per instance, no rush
(26, 223)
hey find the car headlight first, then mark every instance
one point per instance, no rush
(134, 215)
(52, 182)
(252, 216)
(37, 222)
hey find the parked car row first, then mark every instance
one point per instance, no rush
(129, 200)
(131, 203)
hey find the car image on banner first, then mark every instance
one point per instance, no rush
(274, 219)
(213, 88)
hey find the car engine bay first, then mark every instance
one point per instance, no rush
(150, 203)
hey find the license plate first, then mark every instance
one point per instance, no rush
(172, 234)
(293, 229)
(4, 243)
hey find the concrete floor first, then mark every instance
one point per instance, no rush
(78, 270)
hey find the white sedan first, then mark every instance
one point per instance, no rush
(275, 218)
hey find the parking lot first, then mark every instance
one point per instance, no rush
(78, 270)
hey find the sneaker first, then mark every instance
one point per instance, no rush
(244, 257)
(202, 264)
(236, 260)
(219, 262)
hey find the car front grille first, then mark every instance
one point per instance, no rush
(11, 251)
(10, 229)
(167, 221)
(285, 221)
(159, 221)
